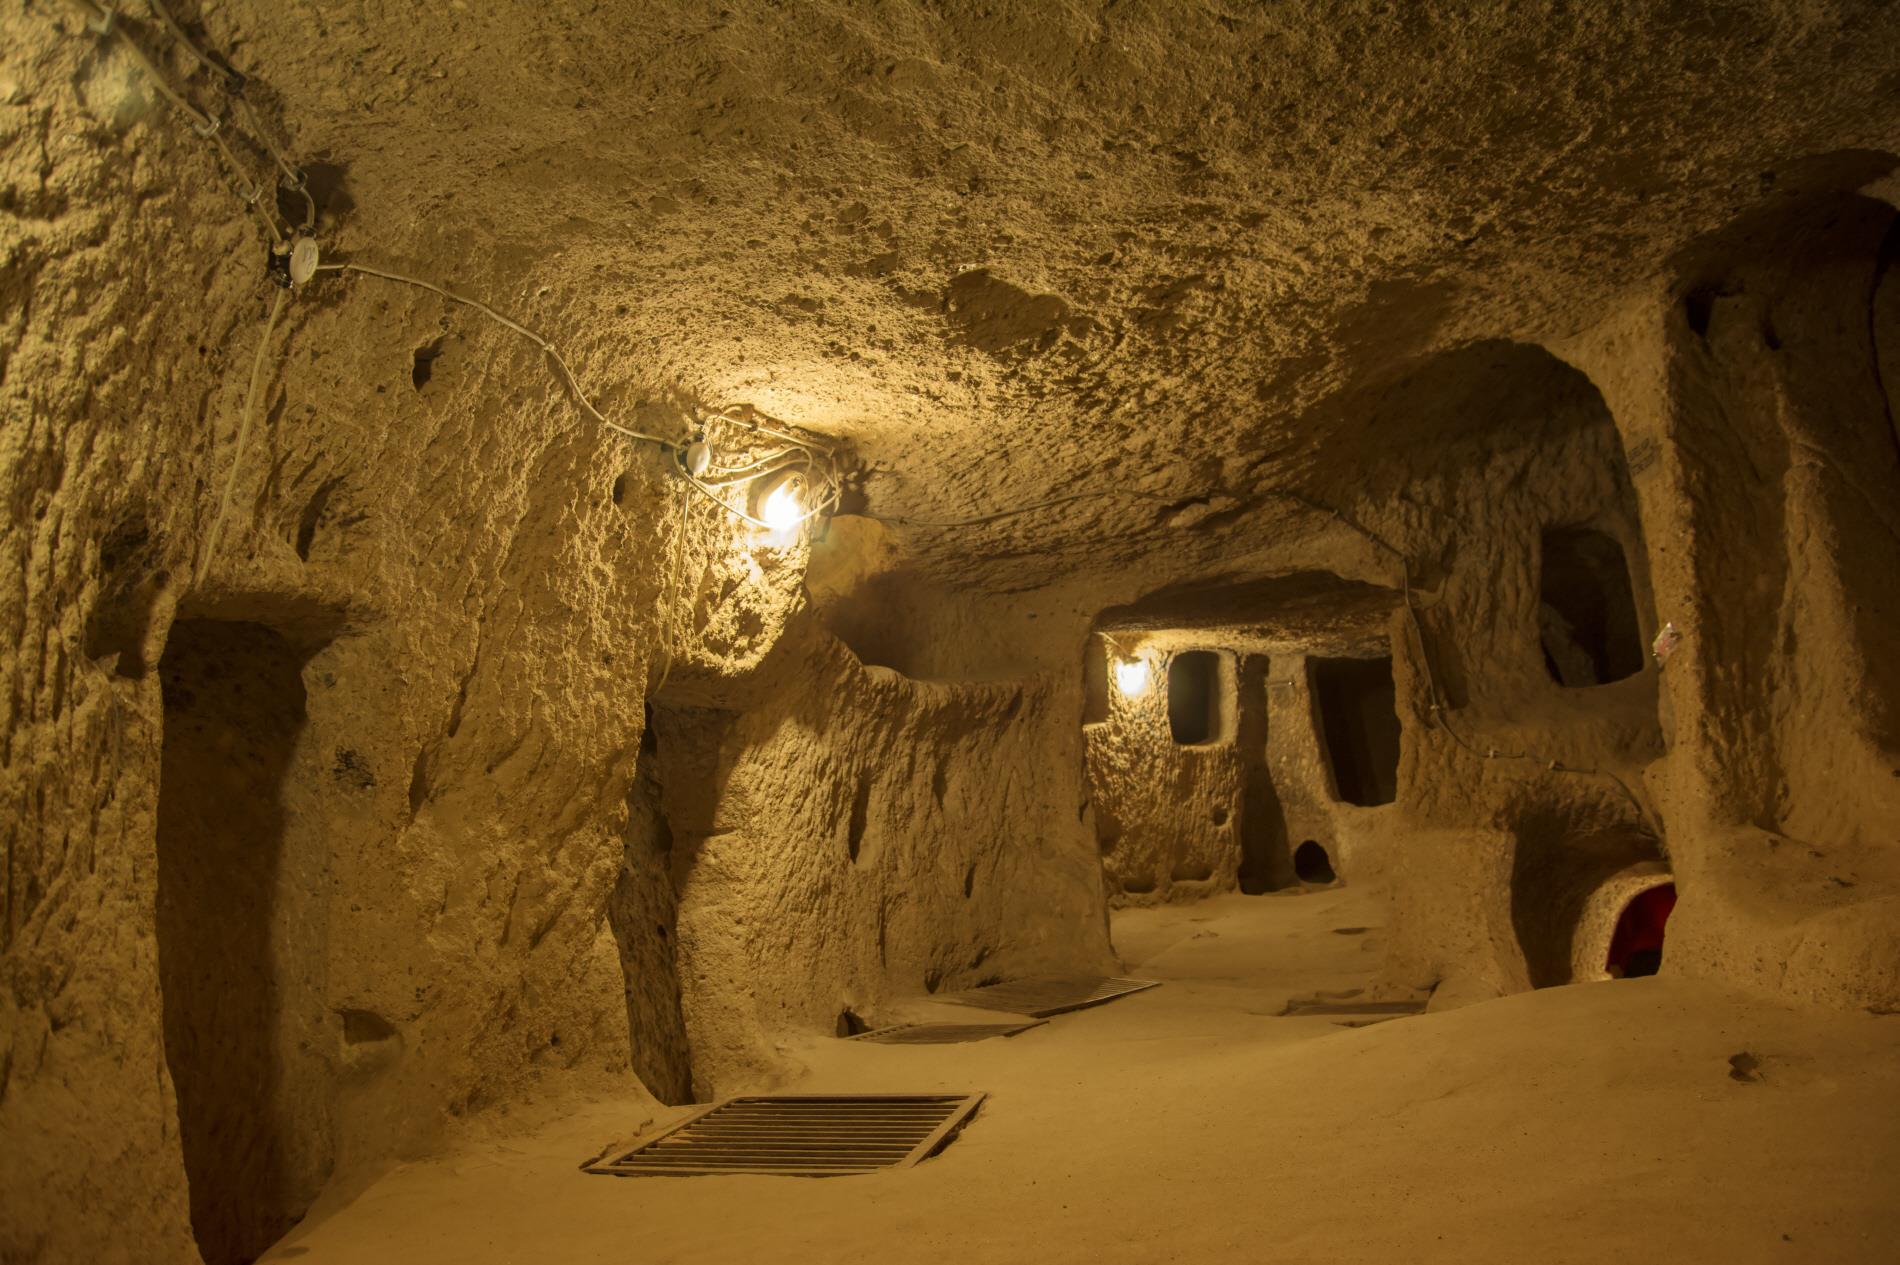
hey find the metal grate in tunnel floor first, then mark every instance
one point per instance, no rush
(1353, 1014)
(1049, 995)
(942, 1033)
(800, 1135)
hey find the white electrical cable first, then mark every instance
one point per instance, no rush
(243, 438)
(568, 374)
(106, 20)
(178, 34)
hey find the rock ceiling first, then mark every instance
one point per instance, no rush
(1016, 251)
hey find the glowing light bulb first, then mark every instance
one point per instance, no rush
(1131, 677)
(782, 509)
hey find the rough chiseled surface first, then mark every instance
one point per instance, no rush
(1458, 276)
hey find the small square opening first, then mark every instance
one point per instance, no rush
(1200, 698)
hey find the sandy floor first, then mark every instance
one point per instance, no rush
(1594, 1123)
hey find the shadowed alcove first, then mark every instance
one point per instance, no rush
(241, 937)
(1360, 723)
(1587, 616)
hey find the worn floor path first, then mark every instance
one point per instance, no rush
(1593, 1123)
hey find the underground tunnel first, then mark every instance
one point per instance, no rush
(927, 620)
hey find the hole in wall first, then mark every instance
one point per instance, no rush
(849, 1025)
(1698, 306)
(1636, 947)
(618, 493)
(1587, 614)
(312, 517)
(1358, 718)
(1562, 855)
(363, 1027)
(969, 882)
(419, 783)
(1218, 816)
(329, 188)
(422, 367)
(1197, 703)
(1312, 864)
(236, 946)
(130, 585)
(1139, 884)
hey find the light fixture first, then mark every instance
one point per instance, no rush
(1131, 677)
(779, 501)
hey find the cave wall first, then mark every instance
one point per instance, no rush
(481, 572)
(854, 838)
(1176, 822)
(1480, 450)
(1166, 816)
(1755, 378)
(1733, 434)
(1355, 836)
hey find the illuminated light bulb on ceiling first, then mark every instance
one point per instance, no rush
(782, 503)
(1131, 677)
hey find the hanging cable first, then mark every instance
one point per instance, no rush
(567, 374)
(110, 24)
(243, 438)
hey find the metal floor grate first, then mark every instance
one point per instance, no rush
(800, 1135)
(942, 1033)
(1353, 1014)
(1049, 996)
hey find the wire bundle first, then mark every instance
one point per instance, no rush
(210, 124)
(735, 462)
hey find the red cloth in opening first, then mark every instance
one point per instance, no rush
(1641, 926)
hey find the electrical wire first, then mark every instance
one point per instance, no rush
(567, 373)
(831, 491)
(178, 33)
(109, 23)
(243, 438)
(234, 85)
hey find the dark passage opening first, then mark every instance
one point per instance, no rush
(1587, 616)
(1359, 726)
(239, 968)
(1311, 864)
(1636, 947)
(643, 912)
(1094, 681)
(1562, 855)
(1194, 697)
